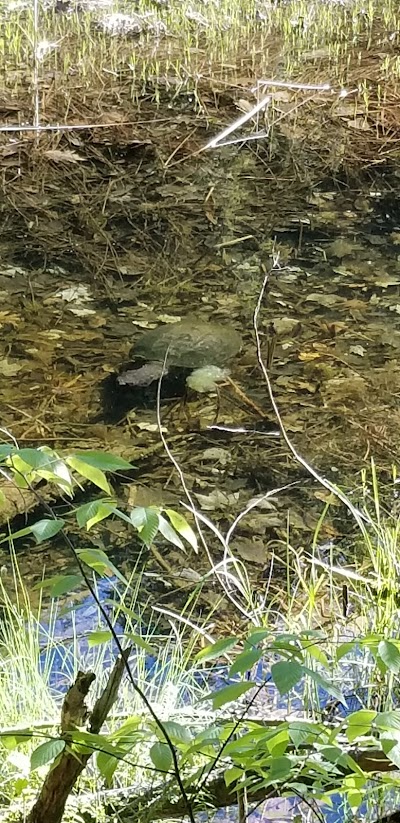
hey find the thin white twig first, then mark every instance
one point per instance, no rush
(360, 518)
(239, 122)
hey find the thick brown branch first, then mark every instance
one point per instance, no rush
(59, 782)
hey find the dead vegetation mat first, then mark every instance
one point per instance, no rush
(111, 228)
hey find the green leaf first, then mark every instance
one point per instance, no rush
(183, 528)
(60, 584)
(9, 741)
(95, 476)
(359, 723)
(98, 637)
(280, 769)
(391, 748)
(60, 475)
(169, 533)
(257, 636)
(390, 655)
(176, 732)
(161, 756)
(228, 693)
(245, 661)
(344, 649)
(28, 459)
(107, 765)
(93, 512)
(100, 563)
(286, 674)
(232, 775)
(96, 742)
(101, 460)
(388, 721)
(278, 741)
(218, 649)
(146, 521)
(45, 529)
(301, 731)
(314, 651)
(5, 450)
(46, 752)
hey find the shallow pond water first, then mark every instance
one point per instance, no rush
(85, 270)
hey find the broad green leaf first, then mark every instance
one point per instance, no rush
(19, 785)
(354, 798)
(130, 730)
(286, 647)
(169, 533)
(60, 584)
(228, 693)
(107, 765)
(26, 460)
(46, 752)
(245, 661)
(183, 528)
(280, 769)
(217, 649)
(301, 731)
(286, 674)
(391, 747)
(146, 521)
(101, 460)
(176, 732)
(256, 738)
(335, 755)
(344, 649)
(359, 723)
(89, 743)
(232, 775)
(390, 655)
(100, 563)
(278, 742)
(93, 512)
(9, 741)
(5, 450)
(96, 638)
(315, 651)
(45, 529)
(62, 475)
(18, 735)
(95, 476)
(388, 721)
(161, 756)
(257, 636)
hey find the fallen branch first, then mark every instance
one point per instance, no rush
(60, 780)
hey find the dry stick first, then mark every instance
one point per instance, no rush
(360, 518)
(61, 779)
